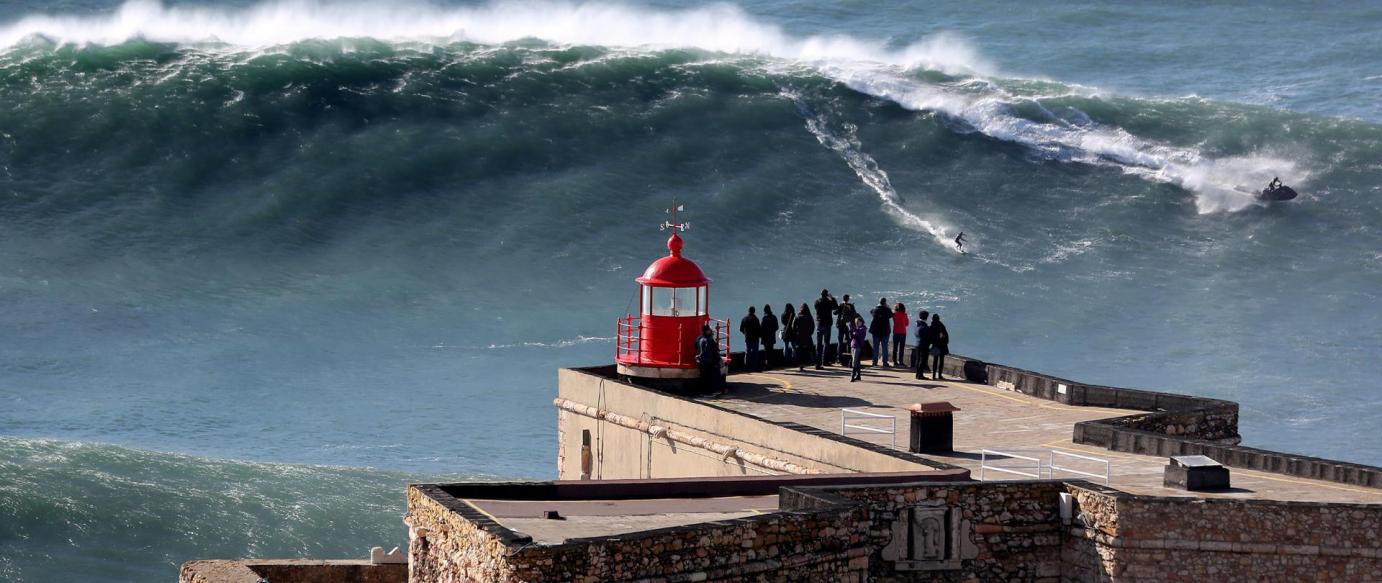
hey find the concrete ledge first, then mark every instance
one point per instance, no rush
(609, 374)
(291, 571)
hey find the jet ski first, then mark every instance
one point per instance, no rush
(1276, 193)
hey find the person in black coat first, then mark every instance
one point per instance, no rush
(940, 345)
(825, 320)
(789, 334)
(767, 334)
(881, 328)
(802, 327)
(845, 315)
(708, 360)
(922, 353)
(750, 328)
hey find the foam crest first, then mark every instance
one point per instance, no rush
(719, 28)
(1220, 184)
(845, 143)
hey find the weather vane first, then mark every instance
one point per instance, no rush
(673, 224)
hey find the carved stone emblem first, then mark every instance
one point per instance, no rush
(929, 538)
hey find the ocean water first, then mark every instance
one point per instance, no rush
(263, 264)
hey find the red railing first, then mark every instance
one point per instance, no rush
(628, 345)
(626, 341)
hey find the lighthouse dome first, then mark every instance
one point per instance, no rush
(674, 270)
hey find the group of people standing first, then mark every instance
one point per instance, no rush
(807, 337)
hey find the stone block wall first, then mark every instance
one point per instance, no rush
(453, 543)
(993, 531)
(1008, 531)
(1127, 538)
(823, 545)
(450, 542)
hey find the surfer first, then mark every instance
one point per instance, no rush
(960, 242)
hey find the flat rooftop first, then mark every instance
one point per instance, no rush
(992, 419)
(602, 508)
(595, 518)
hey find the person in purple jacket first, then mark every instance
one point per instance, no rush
(858, 335)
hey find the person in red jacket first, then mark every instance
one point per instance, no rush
(900, 322)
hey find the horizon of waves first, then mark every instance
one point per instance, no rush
(867, 67)
(846, 144)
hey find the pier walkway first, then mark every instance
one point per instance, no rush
(992, 419)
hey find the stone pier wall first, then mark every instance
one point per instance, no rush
(928, 531)
(641, 445)
(1174, 425)
(451, 542)
(1127, 538)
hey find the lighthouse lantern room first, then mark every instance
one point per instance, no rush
(673, 306)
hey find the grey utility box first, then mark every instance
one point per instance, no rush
(1195, 472)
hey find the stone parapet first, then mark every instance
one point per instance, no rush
(1123, 537)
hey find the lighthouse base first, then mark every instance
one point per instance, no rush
(682, 381)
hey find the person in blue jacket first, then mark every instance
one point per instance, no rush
(881, 328)
(923, 349)
(858, 335)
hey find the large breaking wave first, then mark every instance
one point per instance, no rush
(968, 93)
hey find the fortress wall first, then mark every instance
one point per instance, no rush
(817, 545)
(985, 531)
(450, 542)
(1131, 538)
(1006, 531)
(622, 452)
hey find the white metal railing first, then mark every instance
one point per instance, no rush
(984, 466)
(1038, 468)
(846, 415)
(1054, 466)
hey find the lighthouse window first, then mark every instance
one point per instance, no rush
(674, 301)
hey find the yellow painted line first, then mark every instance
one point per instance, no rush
(993, 394)
(786, 385)
(1030, 400)
(481, 511)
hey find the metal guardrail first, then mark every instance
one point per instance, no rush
(984, 466)
(1053, 467)
(854, 414)
(1039, 468)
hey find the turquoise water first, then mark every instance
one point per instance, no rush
(263, 264)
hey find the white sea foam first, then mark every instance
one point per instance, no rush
(845, 143)
(718, 27)
(563, 343)
(1220, 184)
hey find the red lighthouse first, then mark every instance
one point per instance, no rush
(674, 303)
